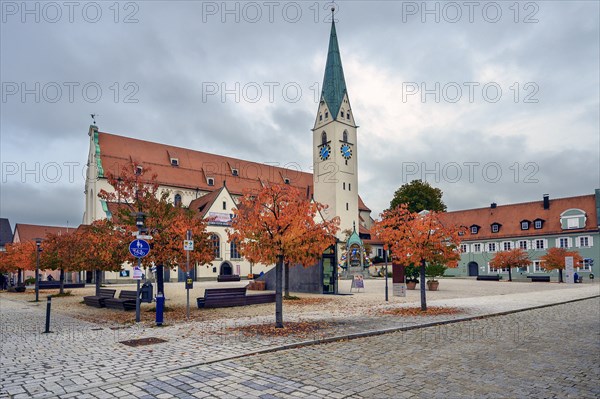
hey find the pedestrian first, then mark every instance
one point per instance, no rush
(576, 277)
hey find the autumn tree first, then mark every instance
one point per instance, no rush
(102, 246)
(276, 225)
(554, 259)
(18, 257)
(513, 258)
(61, 252)
(136, 189)
(419, 196)
(418, 238)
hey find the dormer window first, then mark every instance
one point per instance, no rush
(573, 219)
(210, 181)
(474, 229)
(496, 227)
(525, 225)
(286, 180)
(174, 162)
(234, 172)
(538, 224)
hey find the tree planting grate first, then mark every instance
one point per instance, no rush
(143, 341)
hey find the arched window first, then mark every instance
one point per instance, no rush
(177, 199)
(233, 249)
(323, 138)
(215, 242)
(345, 137)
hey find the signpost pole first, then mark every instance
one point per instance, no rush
(187, 276)
(137, 298)
(386, 274)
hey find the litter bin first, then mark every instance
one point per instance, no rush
(146, 292)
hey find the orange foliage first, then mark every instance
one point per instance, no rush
(510, 259)
(17, 256)
(414, 237)
(555, 258)
(61, 252)
(278, 221)
(102, 246)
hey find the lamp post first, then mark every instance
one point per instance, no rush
(38, 245)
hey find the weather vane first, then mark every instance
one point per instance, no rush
(94, 117)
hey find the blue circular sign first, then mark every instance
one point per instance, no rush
(139, 248)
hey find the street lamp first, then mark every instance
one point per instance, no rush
(38, 245)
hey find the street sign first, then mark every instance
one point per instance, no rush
(188, 245)
(143, 237)
(137, 273)
(139, 248)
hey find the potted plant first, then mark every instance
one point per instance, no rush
(432, 271)
(412, 273)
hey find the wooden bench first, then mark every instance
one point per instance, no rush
(489, 277)
(228, 297)
(125, 301)
(48, 285)
(539, 279)
(98, 301)
(228, 277)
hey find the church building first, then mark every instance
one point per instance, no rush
(212, 184)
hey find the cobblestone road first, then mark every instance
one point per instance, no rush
(544, 353)
(551, 352)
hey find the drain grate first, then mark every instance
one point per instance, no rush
(143, 341)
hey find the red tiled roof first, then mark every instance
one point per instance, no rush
(195, 167)
(29, 232)
(203, 204)
(510, 217)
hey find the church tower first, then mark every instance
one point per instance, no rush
(335, 146)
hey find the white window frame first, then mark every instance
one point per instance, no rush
(537, 266)
(589, 241)
(464, 248)
(565, 240)
(508, 244)
(495, 228)
(526, 246)
(474, 229)
(489, 246)
(543, 241)
(586, 266)
(523, 269)
(524, 225)
(492, 269)
(537, 224)
(477, 247)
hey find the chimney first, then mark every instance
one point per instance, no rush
(546, 201)
(493, 205)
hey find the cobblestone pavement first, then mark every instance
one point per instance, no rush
(543, 353)
(80, 356)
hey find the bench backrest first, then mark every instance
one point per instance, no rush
(225, 292)
(128, 295)
(106, 293)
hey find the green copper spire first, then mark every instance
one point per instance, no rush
(334, 85)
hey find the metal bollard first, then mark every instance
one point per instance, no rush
(160, 306)
(48, 305)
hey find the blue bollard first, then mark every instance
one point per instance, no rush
(160, 307)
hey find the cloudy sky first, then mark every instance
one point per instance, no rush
(490, 101)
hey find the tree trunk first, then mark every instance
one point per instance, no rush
(422, 284)
(560, 279)
(278, 298)
(509, 274)
(160, 282)
(19, 276)
(62, 282)
(286, 280)
(97, 279)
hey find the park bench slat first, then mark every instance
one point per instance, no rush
(540, 279)
(229, 297)
(125, 301)
(487, 277)
(98, 301)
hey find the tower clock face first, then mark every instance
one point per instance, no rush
(346, 151)
(324, 152)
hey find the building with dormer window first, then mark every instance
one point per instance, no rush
(572, 223)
